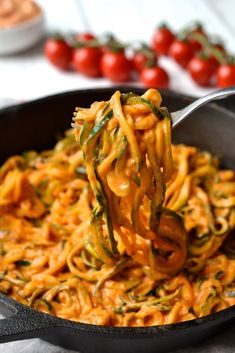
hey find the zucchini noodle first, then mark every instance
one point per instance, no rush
(117, 226)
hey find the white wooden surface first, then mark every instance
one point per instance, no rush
(28, 75)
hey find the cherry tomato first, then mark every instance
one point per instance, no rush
(214, 62)
(140, 60)
(181, 52)
(220, 50)
(115, 66)
(58, 53)
(112, 44)
(155, 77)
(162, 39)
(106, 48)
(86, 60)
(201, 70)
(84, 37)
(194, 43)
(225, 76)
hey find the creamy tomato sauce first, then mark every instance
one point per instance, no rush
(14, 12)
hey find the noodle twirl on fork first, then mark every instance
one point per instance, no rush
(126, 144)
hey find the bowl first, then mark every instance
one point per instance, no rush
(35, 125)
(22, 36)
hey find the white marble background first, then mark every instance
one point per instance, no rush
(28, 76)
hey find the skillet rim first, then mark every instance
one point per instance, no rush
(163, 92)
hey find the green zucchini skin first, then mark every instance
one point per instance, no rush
(131, 98)
(99, 126)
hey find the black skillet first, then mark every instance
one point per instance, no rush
(35, 125)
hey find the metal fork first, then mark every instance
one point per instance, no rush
(179, 116)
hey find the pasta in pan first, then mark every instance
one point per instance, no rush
(118, 227)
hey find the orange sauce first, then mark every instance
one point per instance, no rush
(15, 12)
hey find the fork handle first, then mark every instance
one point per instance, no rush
(178, 116)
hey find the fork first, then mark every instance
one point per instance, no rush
(179, 116)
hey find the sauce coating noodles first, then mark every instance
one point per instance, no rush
(120, 228)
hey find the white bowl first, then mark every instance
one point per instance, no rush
(22, 36)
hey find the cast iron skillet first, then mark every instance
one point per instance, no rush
(35, 125)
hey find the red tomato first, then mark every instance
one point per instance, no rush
(161, 40)
(225, 76)
(214, 62)
(58, 53)
(106, 48)
(221, 51)
(111, 43)
(155, 77)
(84, 37)
(115, 66)
(201, 70)
(87, 61)
(140, 60)
(181, 52)
(194, 43)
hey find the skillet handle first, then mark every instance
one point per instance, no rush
(22, 322)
